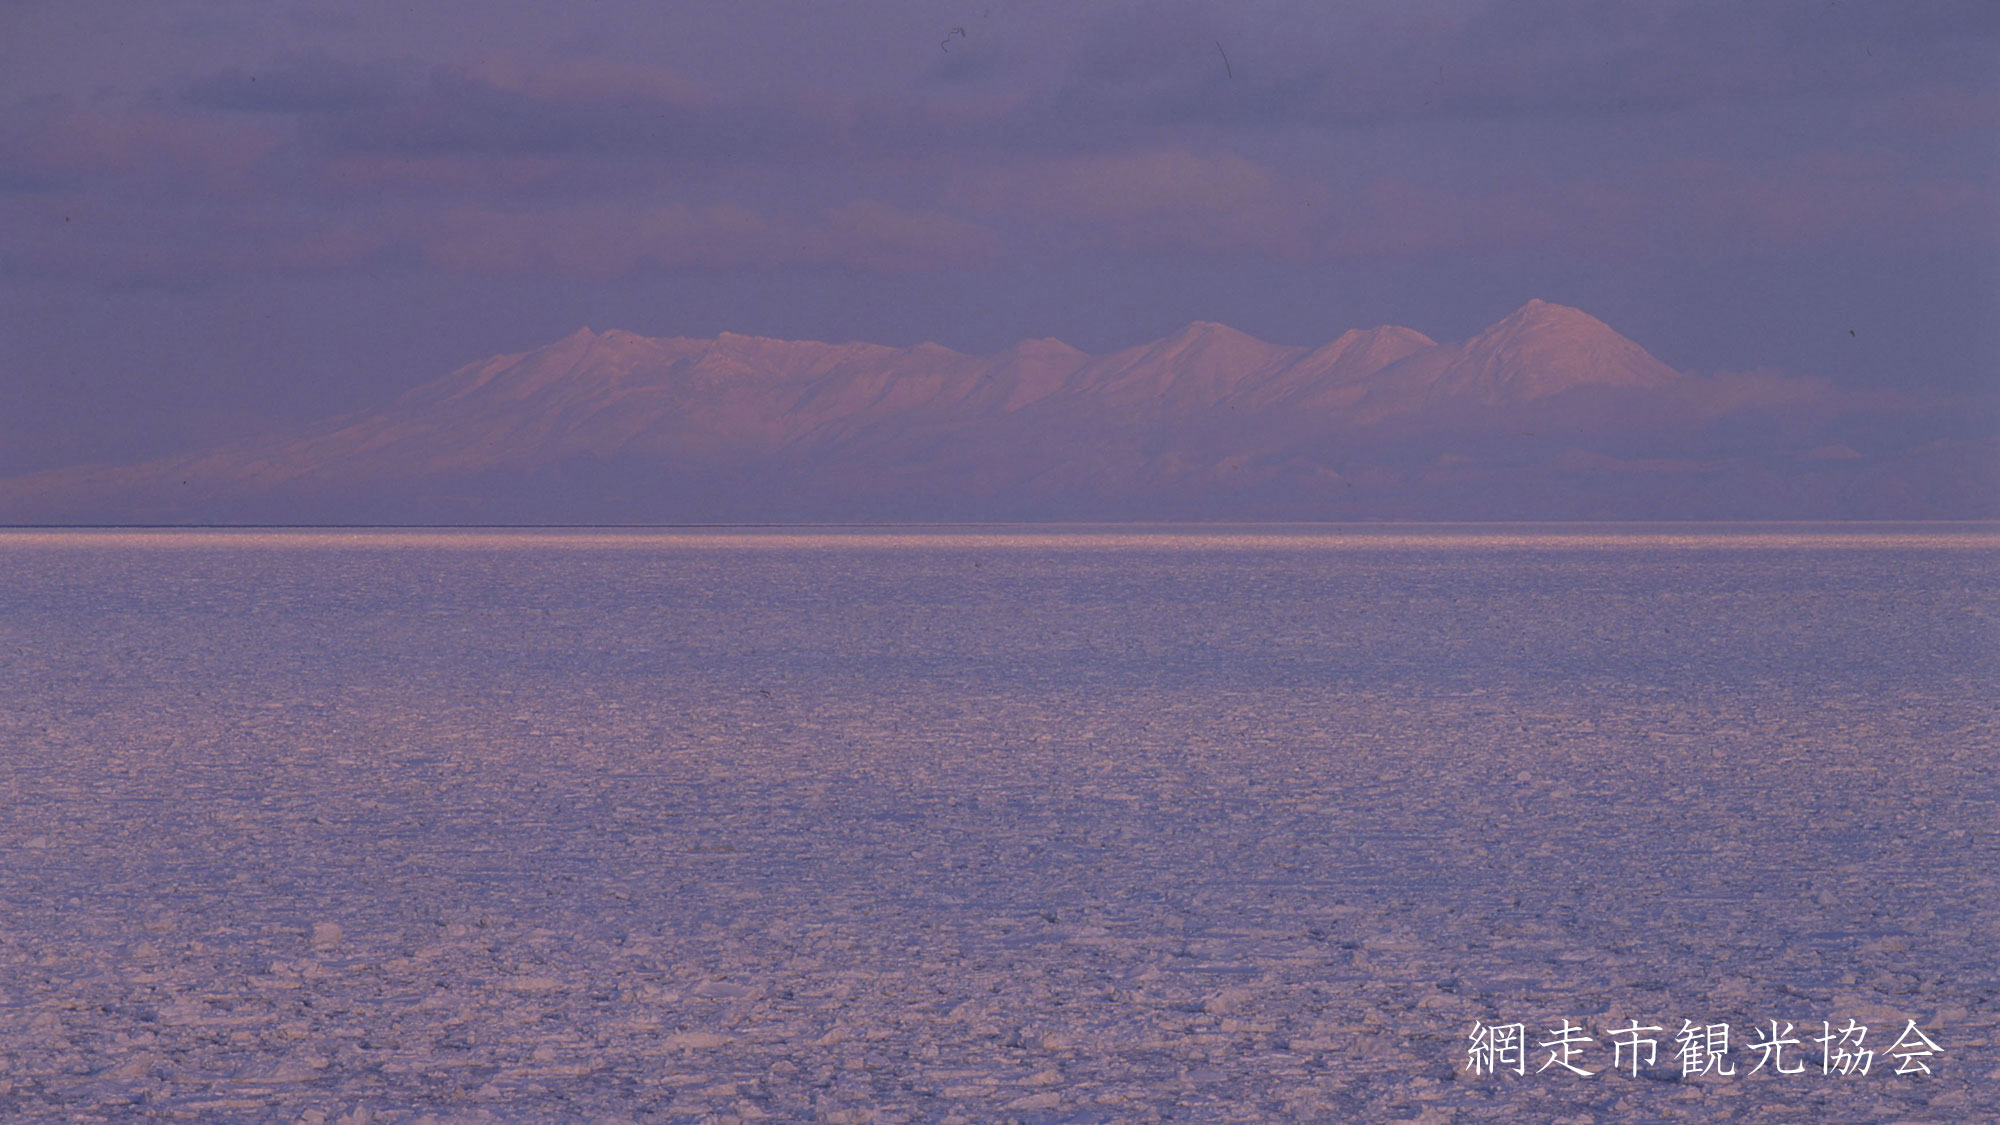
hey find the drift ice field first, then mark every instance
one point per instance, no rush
(984, 824)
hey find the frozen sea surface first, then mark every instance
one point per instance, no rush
(1092, 825)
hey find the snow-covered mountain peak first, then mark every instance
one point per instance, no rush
(1209, 332)
(1541, 316)
(1046, 347)
(1543, 348)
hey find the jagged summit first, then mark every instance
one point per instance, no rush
(1359, 352)
(1046, 346)
(1199, 365)
(1535, 308)
(1546, 319)
(1543, 348)
(1208, 334)
(1539, 350)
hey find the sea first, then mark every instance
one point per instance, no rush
(1422, 823)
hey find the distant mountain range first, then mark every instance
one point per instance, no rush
(1548, 414)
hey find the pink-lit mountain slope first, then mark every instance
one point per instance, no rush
(1547, 414)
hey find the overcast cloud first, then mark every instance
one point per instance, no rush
(217, 216)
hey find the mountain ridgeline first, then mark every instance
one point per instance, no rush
(1548, 414)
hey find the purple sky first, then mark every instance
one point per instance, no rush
(219, 215)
